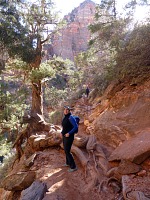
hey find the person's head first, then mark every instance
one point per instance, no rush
(67, 110)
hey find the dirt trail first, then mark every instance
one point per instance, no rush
(62, 185)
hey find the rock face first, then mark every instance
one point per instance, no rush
(124, 115)
(136, 149)
(73, 38)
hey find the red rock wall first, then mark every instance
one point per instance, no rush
(74, 38)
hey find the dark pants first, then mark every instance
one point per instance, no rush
(67, 142)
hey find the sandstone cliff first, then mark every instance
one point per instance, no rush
(121, 113)
(73, 38)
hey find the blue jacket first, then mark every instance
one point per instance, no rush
(69, 124)
(74, 124)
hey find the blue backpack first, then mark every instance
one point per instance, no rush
(77, 120)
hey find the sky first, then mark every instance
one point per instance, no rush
(66, 6)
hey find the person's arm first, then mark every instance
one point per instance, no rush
(74, 124)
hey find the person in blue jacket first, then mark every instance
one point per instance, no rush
(69, 128)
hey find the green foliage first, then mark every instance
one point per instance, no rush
(5, 150)
(12, 113)
(13, 34)
(59, 82)
(34, 24)
(53, 96)
(100, 83)
(42, 22)
(108, 33)
(64, 72)
(13, 102)
(115, 50)
(64, 85)
(86, 62)
(7, 166)
(5, 146)
(45, 70)
(133, 59)
(56, 117)
(19, 65)
(23, 28)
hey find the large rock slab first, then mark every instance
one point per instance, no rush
(19, 181)
(127, 167)
(136, 149)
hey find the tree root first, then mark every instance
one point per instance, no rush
(19, 141)
(91, 144)
(130, 194)
(92, 176)
(111, 182)
(80, 141)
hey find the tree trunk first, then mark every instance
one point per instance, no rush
(37, 94)
(37, 99)
(36, 121)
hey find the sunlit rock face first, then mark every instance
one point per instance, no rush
(74, 37)
(118, 116)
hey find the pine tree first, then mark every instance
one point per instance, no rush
(25, 28)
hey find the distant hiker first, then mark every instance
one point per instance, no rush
(87, 91)
(69, 128)
(1, 159)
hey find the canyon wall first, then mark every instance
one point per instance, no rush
(74, 37)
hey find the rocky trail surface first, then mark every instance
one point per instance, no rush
(112, 152)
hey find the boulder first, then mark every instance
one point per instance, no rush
(127, 167)
(19, 181)
(30, 161)
(136, 149)
(36, 191)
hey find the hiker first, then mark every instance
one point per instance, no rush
(1, 159)
(69, 128)
(87, 91)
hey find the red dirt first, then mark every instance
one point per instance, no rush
(62, 185)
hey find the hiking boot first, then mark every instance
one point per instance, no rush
(65, 165)
(72, 170)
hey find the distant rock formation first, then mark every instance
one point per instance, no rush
(74, 37)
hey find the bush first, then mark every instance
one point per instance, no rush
(53, 96)
(133, 59)
(100, 82)
(56, 117)
(5, 150)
